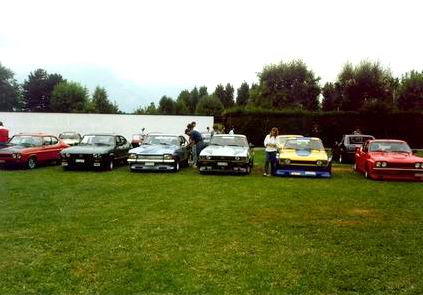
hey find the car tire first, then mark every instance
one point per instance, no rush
(31, 163)
(354, 167)
(248, 170)
(340, 159)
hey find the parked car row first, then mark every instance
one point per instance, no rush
(297, 155)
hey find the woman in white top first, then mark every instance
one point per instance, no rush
(270, 149)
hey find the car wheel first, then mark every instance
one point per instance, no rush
(340, 160)
(354, 167)
(248, 170)
(32, 163)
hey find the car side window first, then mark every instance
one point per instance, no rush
(122, 140)
(117, 138)
(54, 140)
(182, 140)
(46, 140)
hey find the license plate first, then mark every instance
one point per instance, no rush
(149, 164)
(96, 164)
(79, 161)
(2, 161)
(419, 174)
(64, 163)
(296, 173)
(222, 164)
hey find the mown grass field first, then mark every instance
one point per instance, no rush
(117, 232)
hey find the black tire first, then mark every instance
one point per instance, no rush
(110, 165)
(340, 159)
(248, 170)
(32, 163)
(177, 166)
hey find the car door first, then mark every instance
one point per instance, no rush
(46, 151)
(56, 147)
(183, 150)
(125, 146)
(360, 156)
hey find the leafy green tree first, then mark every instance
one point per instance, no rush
(410, 94)
(183, 102)
(151, 109)
(194, 98)
(229, 96)
(9, 91)
(69, 97)
(289, 85)
(332, 97)
(365, 84)
(219, 92)
(167, 106)
(210, 106)
(37, 90)
(243, 94)
(101, 103)
(202, 91)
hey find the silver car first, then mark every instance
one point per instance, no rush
(159, 152)
(227, 153)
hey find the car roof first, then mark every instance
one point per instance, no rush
(351, 135)
(101, 134)
(163, 134)
(289, 136)
(387, 140)
(229, 135)
(313, 138)
(35, 134)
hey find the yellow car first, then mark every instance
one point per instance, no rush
(304, 156)
(282, 139)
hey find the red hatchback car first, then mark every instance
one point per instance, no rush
(388, 159)
(29, 150)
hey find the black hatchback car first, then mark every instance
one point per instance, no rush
(344, 150)
(100, 151)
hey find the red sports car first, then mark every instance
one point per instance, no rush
(29, 150)
(388, 159)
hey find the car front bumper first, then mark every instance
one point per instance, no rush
(223, 167)
(304, 171)
(151, 165)
(396, 174)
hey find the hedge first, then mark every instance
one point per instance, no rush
(329, 126)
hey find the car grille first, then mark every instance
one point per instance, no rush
(401, 165)
(5, 155)
(150, 157)
(221, 158)
(303, 162)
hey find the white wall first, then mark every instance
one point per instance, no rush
(126, 125)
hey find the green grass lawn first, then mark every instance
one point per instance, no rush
(165, 233)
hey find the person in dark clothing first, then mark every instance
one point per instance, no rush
(197, 144)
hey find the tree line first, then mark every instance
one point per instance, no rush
(284, 86)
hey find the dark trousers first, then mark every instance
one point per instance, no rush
(270, 161)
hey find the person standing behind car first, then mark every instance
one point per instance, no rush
(270, 149)
(197, 145)
(4, 134)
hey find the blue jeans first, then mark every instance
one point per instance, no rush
(270, 161)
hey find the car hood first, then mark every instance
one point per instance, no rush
(225, 151)
(155, 149)
(311, 155)
(70, 141)
(395, 157)
(16, 149)
(87, 149)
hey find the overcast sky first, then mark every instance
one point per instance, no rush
(141, 50)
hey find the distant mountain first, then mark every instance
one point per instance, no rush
(128, 95)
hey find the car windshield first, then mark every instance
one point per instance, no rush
(281, 140)
(358, 139)
(206, 135)
(229, 141)
(69, 136)
(304, 144)
(98, 140)
(400, 147)
(161, 139)
(26, 140)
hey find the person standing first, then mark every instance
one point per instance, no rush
(4, 134)
(197, 145)
(270, 150)
(232, 131)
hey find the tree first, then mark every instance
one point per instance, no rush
(365, 84)
(101, 103)
(167, 106)
(9, 91)
(219, 92)
(210, 106)
(149, 110)
(69, 97)
(243, 94)
(37, 90)
(289, 85)
(183, 102)
(410, 94)
(202, 91)
(331, 97)
(194, 98)
(229, 96)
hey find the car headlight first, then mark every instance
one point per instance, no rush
(97, 156)
(384, 164)
(378, 164)
(132, 156)
(421, 165)
(417, 165)
(319, 163)
(286, 161)
(16, 155)
(167, 157)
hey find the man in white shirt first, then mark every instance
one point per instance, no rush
(270, 150)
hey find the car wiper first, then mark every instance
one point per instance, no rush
(164, 143)
(216, 144)
(102, 144)
(232, 145)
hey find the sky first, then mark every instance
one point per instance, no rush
(142, 50)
